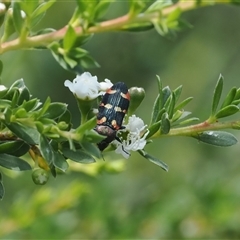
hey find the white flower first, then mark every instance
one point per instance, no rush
(104, 86)
(135, 138)
(85, 86)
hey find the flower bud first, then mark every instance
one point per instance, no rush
(40, 176)
(136, 95)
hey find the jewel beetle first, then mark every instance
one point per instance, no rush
(111, 111)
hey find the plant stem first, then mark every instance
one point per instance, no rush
(106, 26)
(198, 128)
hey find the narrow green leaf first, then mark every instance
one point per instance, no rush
(237, 96)
(42, 8)
(3, 91)
(17, 17)
(165, 124)
(217, 138)
(171, 106)
(136, 6)
(24, 95)
(229, 98)
(156, 108)
(2, 191)
(153, 129)
(46, 149)
(87, 126)
(78, 156)
(27, 134)
(166, 92)
(176, 115)
(182, 104)
(188, 121)
(101, 8)
(16, 148)
(31, 105)
(55, 110)
(44, 107)
(227, 111)
(13, 163)
(60, 162)
(178, 92)
(91, 149)
(1, 68)
(158, 5)
(4, 103)
(88, 62)
(69, 38)
(217, 94)
(154, 160)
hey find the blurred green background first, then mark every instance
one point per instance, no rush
(200, 195)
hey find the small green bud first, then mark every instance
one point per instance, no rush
(3, 10)
(40, 176)
(62, 125)
(137, 95)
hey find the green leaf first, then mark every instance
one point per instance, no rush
(42, 8)
(154, 160)
(60, 162)
(31, 105)
(92, 149)
(87, 126)
(46, 149)
(171, 106)
(217, 94)
(17, 17)
(24, 95)
(136, 6)
(153, 129)
(159, 5)
(2, 191)
(27, 134)
(13, 163)
(182, 104)
(44, 107)
(217, 138)
(88, 62)
(16, 148)
(189, 120)
(165, 124)
(92, 136)
(78, 156)
(4, 103)
(69, 38)
(55, 110)
(155, 111)
(101, 8)
(237, 96)
(166, 93)
(177, 92)
(230, 97)
(177, 115)
(227, 111)
(3, 91)
(66, 117)
(1, 68)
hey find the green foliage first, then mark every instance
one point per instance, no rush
(45, 130)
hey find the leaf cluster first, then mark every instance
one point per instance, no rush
(44, 130)
(229, 105)
(166, 112)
